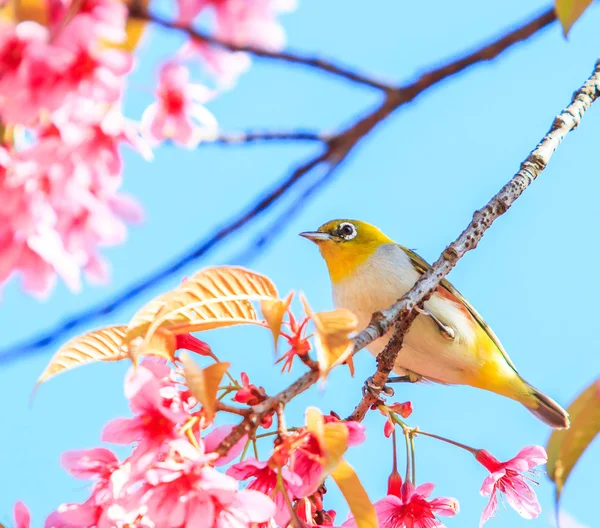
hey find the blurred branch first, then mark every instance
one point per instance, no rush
(285, 56)
(254, 136)
(402, 313)
(336, 149)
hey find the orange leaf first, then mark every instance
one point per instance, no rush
(569, 11)
(105, 344)
(212, 298)
(334, 346)
(21, 10)
(204, 383)
(353, 491)
(332, 437)
(162, 344)
(273, 312)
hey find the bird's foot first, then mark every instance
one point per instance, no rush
(374, 390)
(411, 377)
(446, 331)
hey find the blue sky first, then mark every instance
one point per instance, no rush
(419, 177)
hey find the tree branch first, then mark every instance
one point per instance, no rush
(337, 148)
(254, 136)
(402, 313)
(318, 63)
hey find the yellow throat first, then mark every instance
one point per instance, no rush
(346, 244)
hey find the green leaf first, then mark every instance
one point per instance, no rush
(360, 505)
(569, 11)
(566, 446)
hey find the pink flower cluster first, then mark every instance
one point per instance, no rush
(60, 176)
(171, 480)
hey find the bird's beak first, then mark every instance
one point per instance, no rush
(316, 236)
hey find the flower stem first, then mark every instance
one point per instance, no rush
(295, 521)
(408, 457)
(471, 450)
(414, 465)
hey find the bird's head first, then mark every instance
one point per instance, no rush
(346, 244)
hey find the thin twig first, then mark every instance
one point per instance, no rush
(318, 63)
(255, 136)
(403, 311)
(220, 406)
(338, 147)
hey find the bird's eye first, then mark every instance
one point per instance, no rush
(347, 231)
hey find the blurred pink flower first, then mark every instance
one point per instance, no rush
(187, 492)
(216, 436)
(411, 508)
(94, 72)
(265, 481)
(30, 72)
(510, 478)
(178, 114)
(60, 199)
(108, 16)
(22, 515)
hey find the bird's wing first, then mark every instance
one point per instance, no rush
(422, 266)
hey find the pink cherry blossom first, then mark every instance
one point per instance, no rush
(265, 481)
(178, 113)
(249, 394)
(150, 395)
(216, 436)
(103, 466)
(411, 508)
(187, 492)
(510, 478)
(22, 515)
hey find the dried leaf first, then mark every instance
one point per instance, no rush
(273, 311)
(566, 446)
(569, 11)
(21, 10)
(212, 298)
(353, 491)
(332, 437)
(333, 344)
(204, 383)
(105, 344)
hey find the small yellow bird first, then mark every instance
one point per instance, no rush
(448, 342)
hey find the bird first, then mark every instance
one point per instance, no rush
(448, 342)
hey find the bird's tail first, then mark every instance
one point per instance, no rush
(546, 409)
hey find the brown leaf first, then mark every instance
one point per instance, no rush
(353, 491)
(566, 446)
(333, 344)
(204, 383)
(273, 311)
(105, 344)
(212, 298)
(569, 11)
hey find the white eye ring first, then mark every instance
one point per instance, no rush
(349, 236)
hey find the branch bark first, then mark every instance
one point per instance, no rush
(402, 313)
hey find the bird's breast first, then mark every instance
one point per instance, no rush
(377, 284)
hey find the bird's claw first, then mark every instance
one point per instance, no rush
(374, 390)
(446, 331)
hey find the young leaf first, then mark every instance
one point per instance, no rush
(360, 505)
(273, 312)
(212, 298)
(333, 344)
(204, 383)
(569, 11)
(105, 344)
(566, 446)
(162, 344)
(332, 438)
